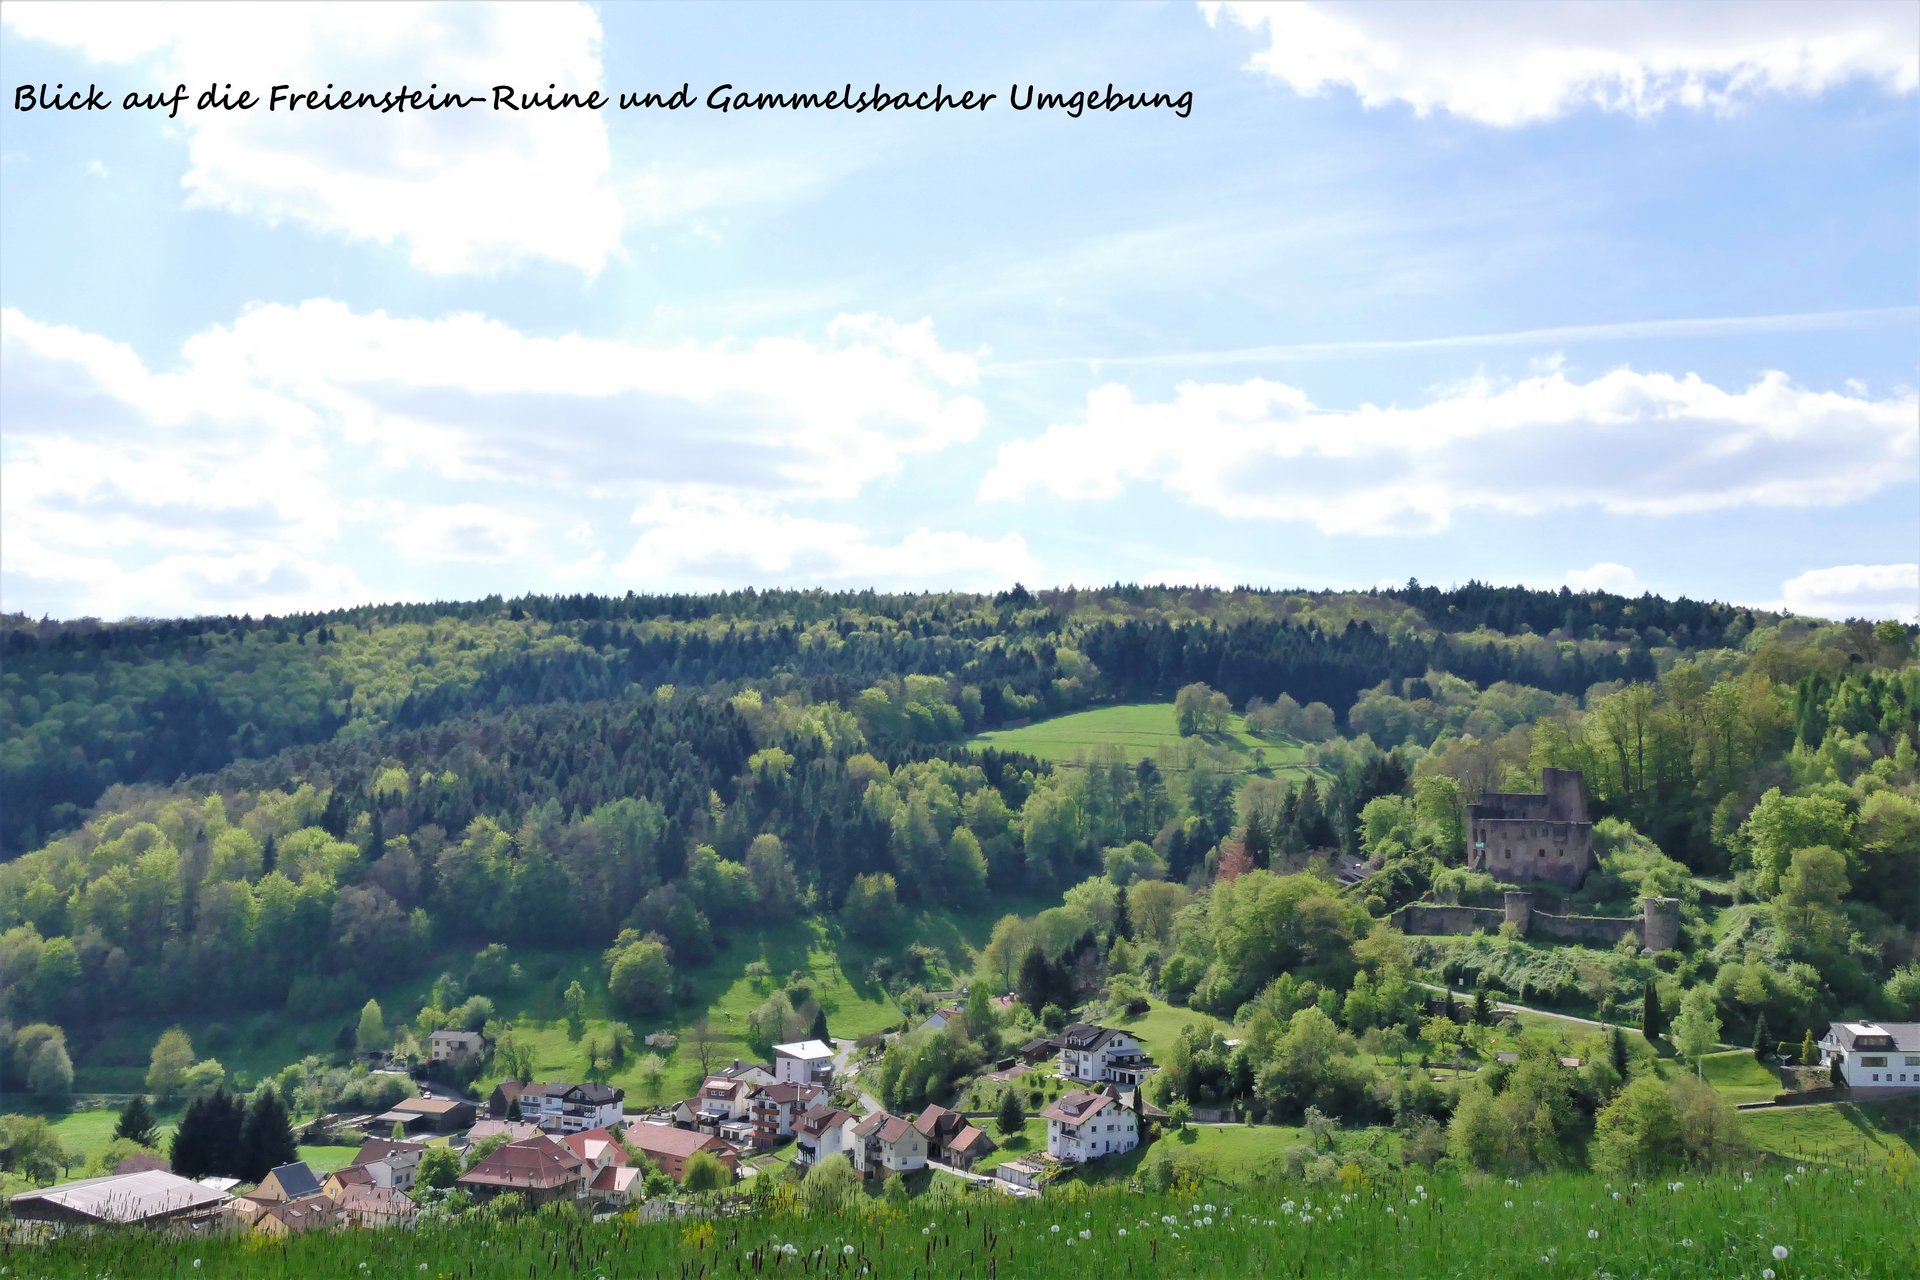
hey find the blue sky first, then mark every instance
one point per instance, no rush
(1617, 295)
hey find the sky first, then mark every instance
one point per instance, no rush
(1620, 295)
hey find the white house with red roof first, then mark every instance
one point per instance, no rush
(1089, 1124)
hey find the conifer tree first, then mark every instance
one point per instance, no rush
(137, 1123)
(1011, 1118)
(819, 1029)
(1761, 1049)
(1618, 1044)
(266, 1137)
(1809, 1050)
(1652, 1020)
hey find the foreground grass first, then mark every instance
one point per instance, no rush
(1830, 1224)
(1140, 731)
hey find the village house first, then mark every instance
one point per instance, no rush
(721, 1105)
(540, 1169)
(288, 1182)
(569, 1108)
(774, 1108)
(803, 1062)
(1103, 1055)
(819, 1132)
(951, 1140)
(424, 1115)
(1514, 836)
(391, 1163)
(500, 1101)
(1874, 1055)
(147, 1198)
(456, 1048)
(671, 1148)
(512, 1130)
(615, 1187)
(751, 1072)
(598, 1147)
(880, 1144)
(943, 1017)
(291, 1217)
(377, 1208)
(1087, 1125)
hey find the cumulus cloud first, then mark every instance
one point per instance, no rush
(234, 453)
(1605, 576)
(713, 540)
(462, 190)
(473, 398)
(1650, 444)
(1517, 64)
(1856, 591)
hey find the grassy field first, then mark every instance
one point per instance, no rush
(1217, 1155)
(1739, 1077)
(1415, 1225)
(1846, 1133)
(1156, 1028)
(1141, 731)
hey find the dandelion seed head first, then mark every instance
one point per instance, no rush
(1779, 1253)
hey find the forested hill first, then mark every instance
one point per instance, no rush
(88, 705)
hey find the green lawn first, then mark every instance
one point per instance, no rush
(1224, 1154)
(1156, 1028)
(1739, 1077)
(1031, 1138)
(324, 1160)
(1141, 731)
(1840, 1133)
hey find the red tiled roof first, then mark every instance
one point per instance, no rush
(661, 1139)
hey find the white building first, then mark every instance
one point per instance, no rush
(820, 1132)
(456, 1046)
(880, 1144)
(1103, 1055)
(569, 1108)
(803, 1062)
(1875, 1055)
(1086, 1125)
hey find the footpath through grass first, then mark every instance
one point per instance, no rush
(1827, 1223)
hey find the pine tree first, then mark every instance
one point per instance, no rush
(1449, 1008)
(1122, 916)
(1809, 1050)
(266, 1137)
(1652, 1020)
(1482, 1008)
(819, 1029)
(1011, 1118)
(1618, 1044)
(208, 1141)
(137, 1122)
(1761, 1049)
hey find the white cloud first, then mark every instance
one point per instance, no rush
(467, 532)
(1605, 576)
(463, 190)
(1515, 64)
(123, 481)
(710, 540)
(473, 398)
(1856, 591)
(1649, 444)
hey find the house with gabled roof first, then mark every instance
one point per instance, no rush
(773, 1109)
(288, 1182)
(541, 1169)
(671, 1148)
(291, 1217)
(819, 1131)
(569, 1108)
(882, 1144)
(1088, 1124)
(393, 1163)
(951, 1139)
(147, 1197)
(456, 1047)
(500, 1101)
(1874, 1055)
(1103, 1055)
(598, 1147)
(377, 1208)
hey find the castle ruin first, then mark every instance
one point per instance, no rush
(1514, 836)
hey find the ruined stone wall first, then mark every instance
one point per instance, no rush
(1586, 931)
(1432, 918)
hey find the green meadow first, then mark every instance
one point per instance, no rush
(1821, 1223)
(1142, 731)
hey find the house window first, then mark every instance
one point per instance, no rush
(1877, 1061)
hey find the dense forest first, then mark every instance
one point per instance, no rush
(235, 813)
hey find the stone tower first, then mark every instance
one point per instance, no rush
(1516, 837)
(1660, 923)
